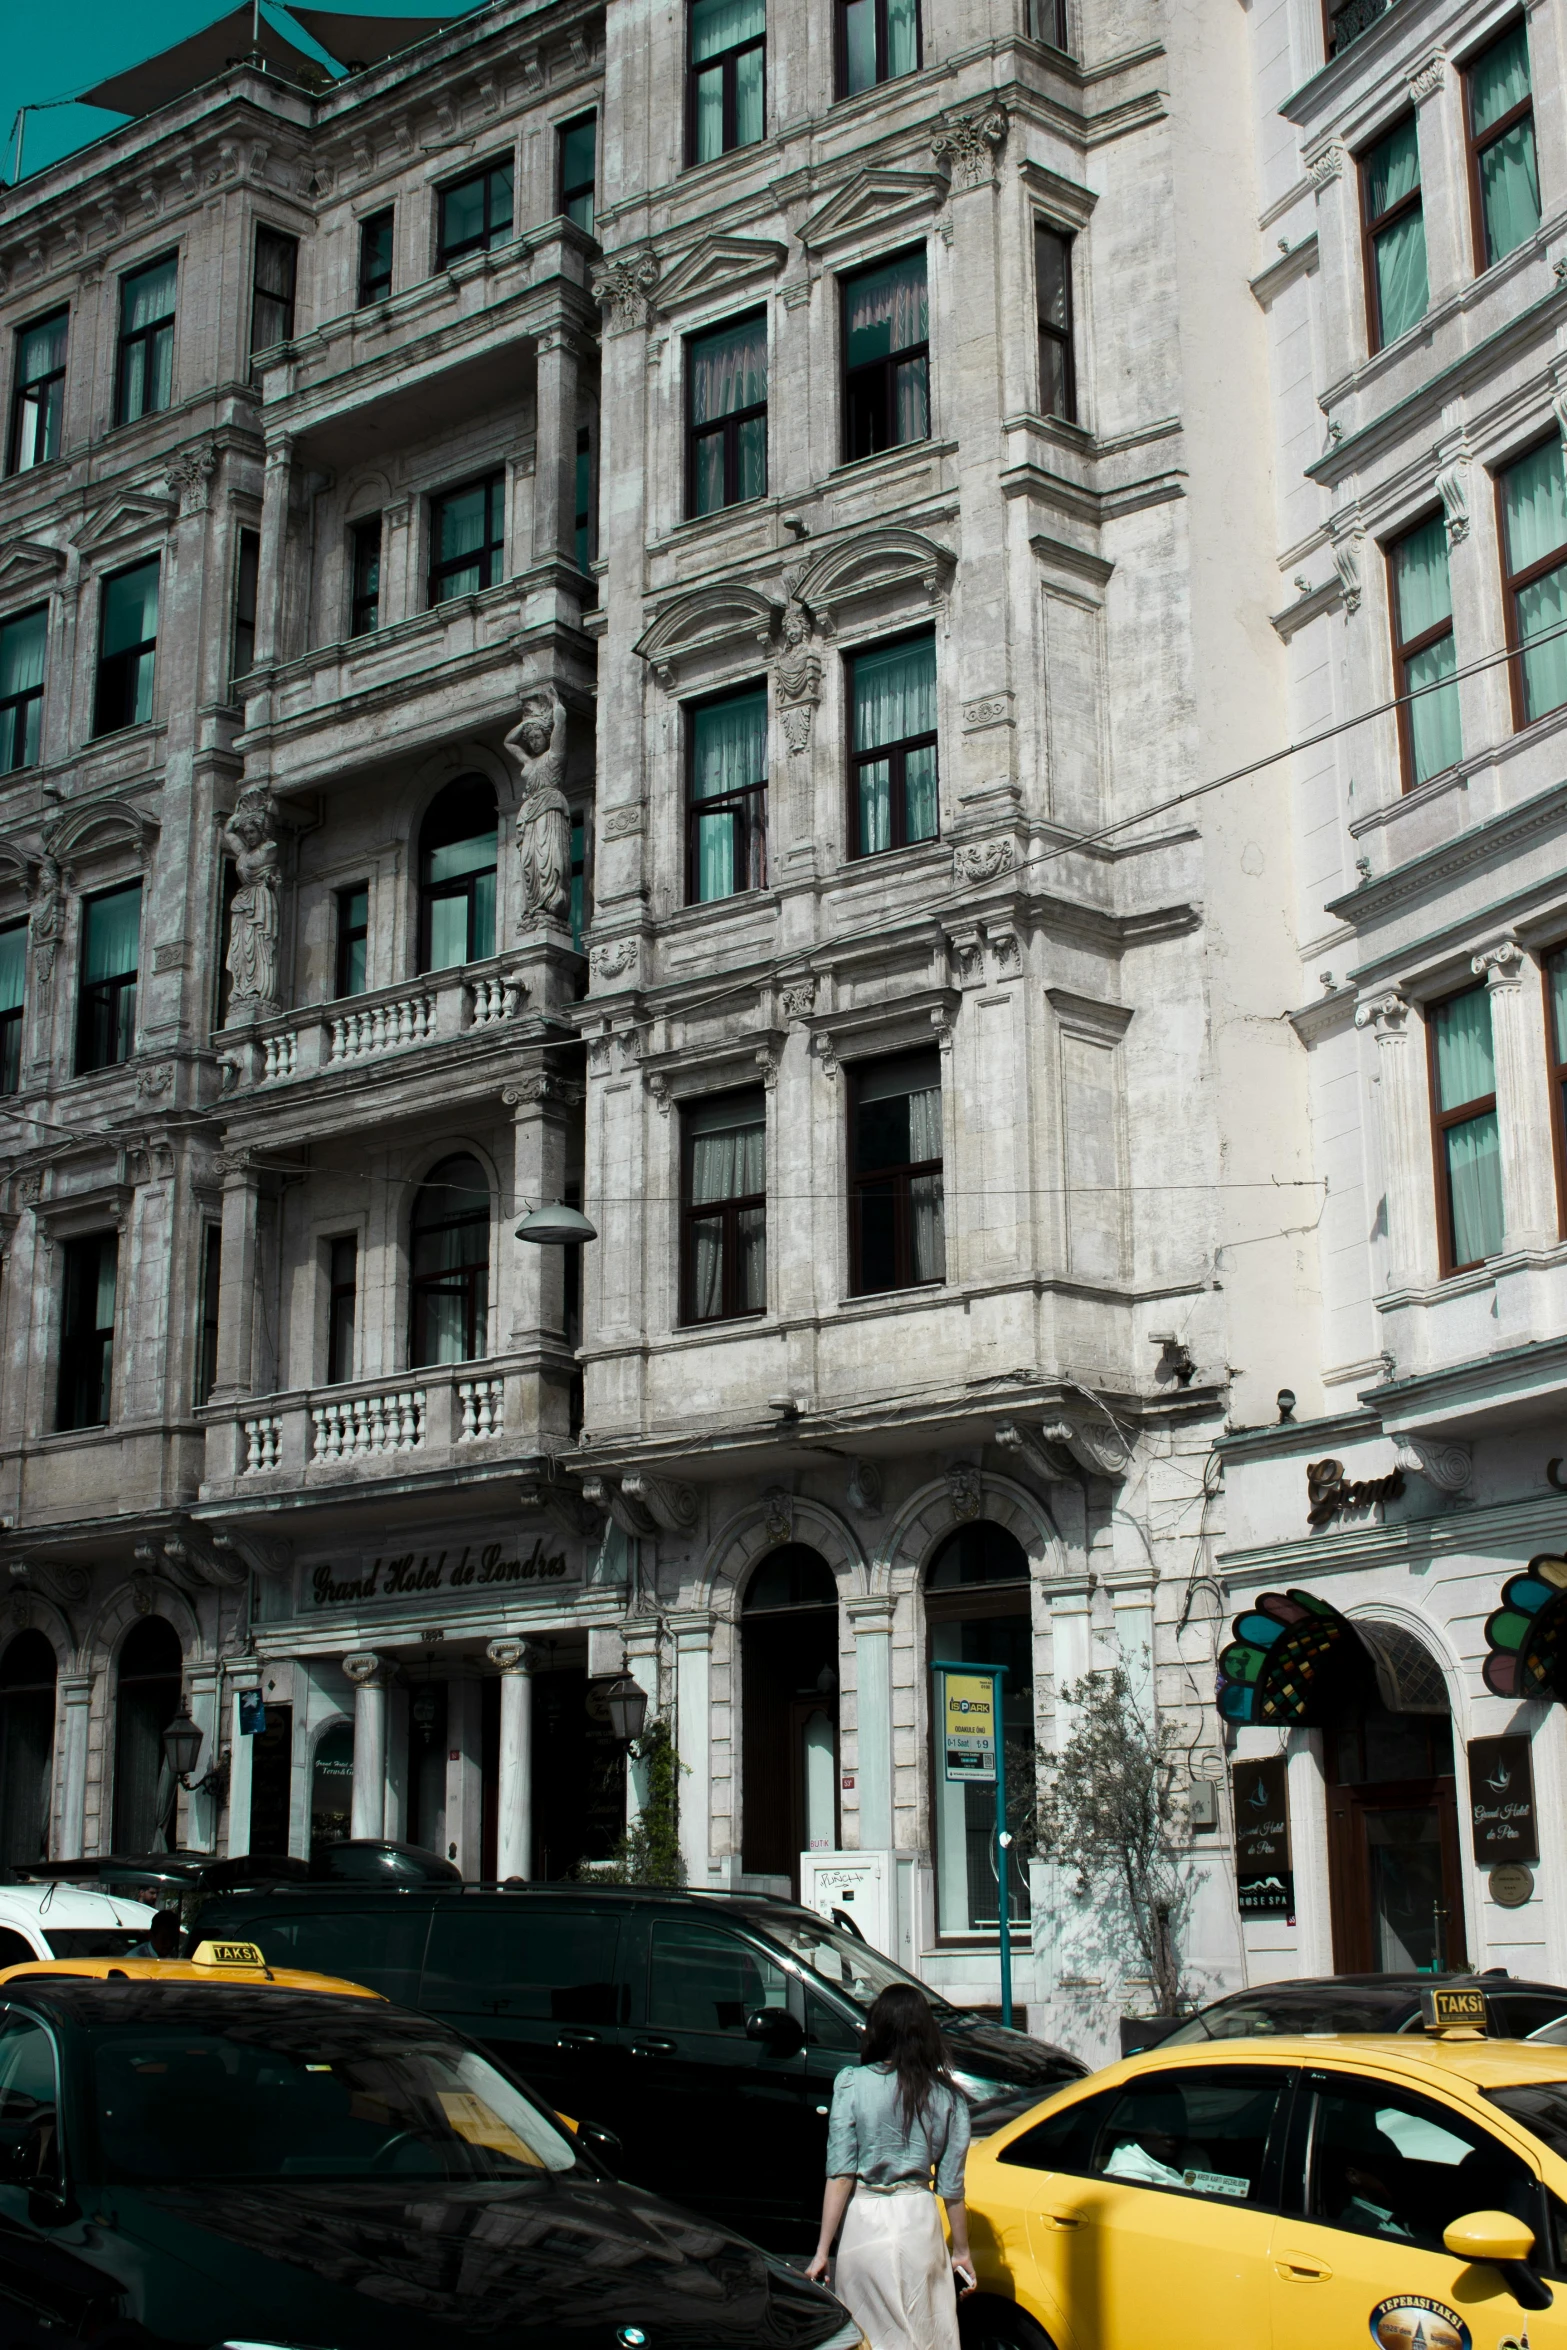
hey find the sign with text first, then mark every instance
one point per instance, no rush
(1264, 1885)
(1501, 1801)
(968, 1709)
(415, 1574)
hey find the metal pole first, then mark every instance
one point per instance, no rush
(21, 133)
(1003, 1849)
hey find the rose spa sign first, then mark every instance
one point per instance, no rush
(1501, 1801)
(412, 1574)
(1264, 1883)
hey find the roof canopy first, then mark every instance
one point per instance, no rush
(365, 40)
(352, 39)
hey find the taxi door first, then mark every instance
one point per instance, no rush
(1374, 2174)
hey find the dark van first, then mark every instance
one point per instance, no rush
(704, 2030)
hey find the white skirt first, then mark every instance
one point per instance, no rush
(894, 2270)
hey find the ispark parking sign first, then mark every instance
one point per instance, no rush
(970, 1717)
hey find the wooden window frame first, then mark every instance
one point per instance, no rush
(107, 993)
(1371, 229)
(724, 428)
(901, 1179)
(348, 936)
(1514, 582)
(1404, 653)
(1062, 338)
(1475, 143)
(728, 60)
(726, 1214)
(110, 666)
(282, 242)
(490, 557)
(369, 289)
(364, 604)
(896, 756)
(472, 1280)
(748, 807)
(888, 366)
(75, 1343)
(1441, 1123)
(1035, 11)
(11, 1024)
(447, 256)
(46, 383)
(23, 701)
(127, 340)
(841, 48)
(564, 194)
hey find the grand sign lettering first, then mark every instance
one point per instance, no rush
(1330, 1494)
(412, 1574)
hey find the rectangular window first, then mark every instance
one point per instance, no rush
(1504, 177)
(272, 289)
(1423, 651)
(38, 393)
(1556, 998)
(342, 1294)
(726, 81)
(886, 356)
(144, 376)
(578, 141)
(87, 1331)
(468, 539)
(892, 783)
(1468, 1146)
(353, 938)
(583, 518)
(475, 214)
(1053, 295)
(1047, 23)
(877, 40)
(724, 1263)
(375, 258)
(364, 554)
(896, 1234)
(1394, 235)
(247, 576)
(1533, 499)
(726, 843)
(13, 991)
(106, 1004)
(127, 648)
(207, 1331)
(23, 642)
(726, 403)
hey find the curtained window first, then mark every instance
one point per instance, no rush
(1533, 495)
(1047, 22)
(91, 1266)
(877, 41)
(353, 939)
(1469, 1158)
(13, 997)
(450, 1268)
(724, 1268)
(364, 556)
(726, 838)
(23, 641)
(106, 1003)
(892, 764)
(1504, 174)
(1394, 234)
(1424, 652)
(576, 153)
(375, 257)
(727, 78)
(474, 215)
(886, 356)
(897, 1237)
(1053, 300)
(144, 376)
(468, 539)
(726, 393)
(127, 648)
(38, 393)
(457, 858)
(272, 289)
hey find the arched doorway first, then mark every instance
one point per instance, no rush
(449, 1273)
(147, 1698)
(332, 1785)
(789, 1711)
(26, 1747)
(977, 1612)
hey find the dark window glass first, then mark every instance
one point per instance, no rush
(106, 1005)
(375, 258)
(1515, 2014)
(247, 575)
(1468, 1144)
(897, 1237)
(583, 516)
(127, 648)
(38, 393)
(577, 144)
(579, 894)
(726, 401)
(364, 553)
(725, 1153)
(886, 356)
(211, 1289)
(1424, 653)
(726, 85)
(892, 761)
(1556, 995)
(272, 289)
(1504, 176)
(13, 992)
(27, 1722)
(1053, 294)
(87, 1330)
(1064, 2140)
(147, 1698)
(457, 851)
(701, 1979)
(29, 2100)
(342, 1299)
(1201, 2133)
(353, 939)
(475, 214)
(468, 539)
(1047, 22)
(23, 644)
(450, 1236)
(1386, 2163)
(1532, 495)
(726, 846)
(877, 40)
(144, 377)
(1394, 234)
(374, 1945)
(558, 1967)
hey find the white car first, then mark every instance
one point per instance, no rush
(64, 1921)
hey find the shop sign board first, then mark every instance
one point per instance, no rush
(968, 1709)
(1264, 1882)
(1501, 1801)
(482, 1567)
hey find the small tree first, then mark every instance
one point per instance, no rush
(1107, 1813)
(649, 1852)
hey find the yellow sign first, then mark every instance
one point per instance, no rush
(226, 1954)
(969, 1711)
(1458, 2010)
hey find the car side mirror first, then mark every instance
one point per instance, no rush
(602, 2144)
(781, 2033)
(1508, 2244)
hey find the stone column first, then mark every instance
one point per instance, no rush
(369, 1675)
(1439, 108)
(74, 1692)
(1306, 1782)
(555, 461)
(1523, 1100)
(242, 1756)
(465, 1776)
(237, 1278)
(641, 1638)
(871, 1622)
(694, 1741)
(533, 1279)
(1404, 1125)
(272, 571)
(517, 1661)
(201, 1811)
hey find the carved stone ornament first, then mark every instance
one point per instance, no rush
(624, 288)
(1453, 489)
(154, 1080)
(516, 1656)
(797, 678)
(30, 1189)
(799, 999)
(671, 1505)
(1050, 1462)
(1501, 965)
(189, 476)
(1346, 562)
(250, 837)
(865, 1488)
(615, 959)
(366, 1670)
(537, 747)
(1446, 1465)
(1323, 169)
(1427, 79)
(1385, 1015)
(982, 860)
(970, 145)
(46, 920)
(623, 823)
(965, 1491)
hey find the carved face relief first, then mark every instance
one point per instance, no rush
(535, 739)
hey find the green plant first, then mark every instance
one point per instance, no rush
(649, 1852)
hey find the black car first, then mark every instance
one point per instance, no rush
(704, 2030)
(185, 2165)
(1350, 2003)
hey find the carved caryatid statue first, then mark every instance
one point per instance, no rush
(251, 840)
(46, 920)
(799, 676)
(538, 744)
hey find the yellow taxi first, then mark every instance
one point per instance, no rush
(1302, 2194)
(209, 1962)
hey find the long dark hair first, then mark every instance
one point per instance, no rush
(901, 2033)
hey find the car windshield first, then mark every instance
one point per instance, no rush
(851, 1966)
(1541, 2106)
(1300, 2008)
(95, 1941)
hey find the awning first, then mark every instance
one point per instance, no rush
(172, 73)
(365, 40)
(1272, 1670)
(1526, 1637)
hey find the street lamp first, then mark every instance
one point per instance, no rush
(182, 1752)
(556, 1226)
(626, 1701)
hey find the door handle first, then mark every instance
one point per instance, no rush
(652, 2048)
(1062, 2219)
(1302, 2268)
(578, 2040)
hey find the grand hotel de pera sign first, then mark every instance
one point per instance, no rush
(416, 1574)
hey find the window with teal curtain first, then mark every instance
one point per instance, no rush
(1501, 140)
(13, 985)
(1463, 1068)
(127, 648)
(727, 83)
(145, 375)
(38, 393)
(726, 842)
(893, 799)
(457, 859)
(886, 356)
(1423, 639)
(877, 41)
(726, 377)
(1534, 528)
(106, 996)
(449, 1270)
(1395, 232)
(468, 539)
(22, 645)
(726, 1207)
(897, 1234)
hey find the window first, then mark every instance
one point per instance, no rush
(583, 517)
(701, 1979)
(475, 214)
(726, 839)
(29, 2099)
(1053, 296)
(147, 1698)
(1556, 997)
(106, 1008)
(457, 851)
(38, 393)
(144, 380)
(1533, 499)
(375, 258)
(1200, 2133)
(561, 1971)
(579, 889)
(207, 1331)
(977, 1612)
(330, 1941)
(1504, 178)
(726, 397)
(1047, 22)
(272, 289)
(577, 141)
(892, 789)
(27, 1721)
(468, 539)
(364, 555)
(450, 1280)
(247, 575)
(1468, 1147)
(353, 939)
(886, 357)
(342, 1299)
(1384, 2162)
(726, 81)
(725, 1256)
(13, 997)
(1394, 235)
(1424, 656)
(87, 1330)
(877, 40)
(127, 648)
(896, 1239)
(22, 644)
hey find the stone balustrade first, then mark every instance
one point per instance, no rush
(439, 1006)
(365, 1428)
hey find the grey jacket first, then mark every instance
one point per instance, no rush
(866, 2138)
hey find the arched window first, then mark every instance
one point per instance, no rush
(789, 1703)
(451, 1264)
(977, 1612)
(147, 1698)
(457, 875)
(26, 1747)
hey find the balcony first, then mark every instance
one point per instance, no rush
(1345, 25)
(441, 1418)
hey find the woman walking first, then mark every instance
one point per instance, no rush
(897, 2139)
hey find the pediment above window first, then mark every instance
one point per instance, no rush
(100, 831)
(869, 564)
(129, 517)
(872, 201)
(14, 861)
(28, 568)
(718, 265)
(726, 617)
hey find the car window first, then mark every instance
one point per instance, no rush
(843, 1960)
(15, 1949)
(701, 1979)
(380, 1948)
(93, 1941)
(550, 1966)
(1515, 2014)
(29, 2093)
(825, 2027)
(1384, 2162)
(1301, 2008)
(1201, 2133)
(1064, 2140)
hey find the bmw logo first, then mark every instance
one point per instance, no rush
(631, 2338)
